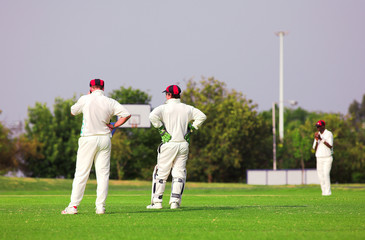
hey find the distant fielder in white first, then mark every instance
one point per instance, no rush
(173, 121)
(94, 143)
(323, 145)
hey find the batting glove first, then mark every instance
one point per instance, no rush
(189, 132)
(165, 136)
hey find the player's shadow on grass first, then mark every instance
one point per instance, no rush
(209, 208)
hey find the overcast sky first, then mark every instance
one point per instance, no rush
(52, 49)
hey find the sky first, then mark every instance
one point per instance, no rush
(52, 49)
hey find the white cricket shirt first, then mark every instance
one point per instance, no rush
(97, 110)
(322, 149)
(176, 116)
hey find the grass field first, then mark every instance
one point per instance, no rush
(30, 209)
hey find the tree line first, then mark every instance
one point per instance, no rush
(234, 138)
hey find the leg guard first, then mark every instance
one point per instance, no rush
(177, 189)
(158, 188)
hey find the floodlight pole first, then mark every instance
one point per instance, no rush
(292, 103)
(281, 35)
(273, 137)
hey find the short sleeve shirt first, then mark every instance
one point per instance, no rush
(175, 116)
(97, 110)
(322, 149)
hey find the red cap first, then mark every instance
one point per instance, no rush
(320, 123)
(97, 82)
(173, 89)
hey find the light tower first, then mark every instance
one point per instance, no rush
(281, 35)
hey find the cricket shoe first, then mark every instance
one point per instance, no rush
(100, 210)
(70, 210)
(154, 206)
(174, 205)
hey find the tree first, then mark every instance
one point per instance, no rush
(54, 137)
(8, 160)
(349, 147)
(57, 134)
(232, 138)
(349, 150)
(130, 96)
(357, 113)
(300, 140)
(296, 152)
(121, 155)
(235, 137)
(134, 149)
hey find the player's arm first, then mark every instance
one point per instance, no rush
(315, 143)
(315, 146)
(199, 117)
(328, 142)
(118, 123)
(121, 112)
(156, 120)
(155, 117)
(77, 107)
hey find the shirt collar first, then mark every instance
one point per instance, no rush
(98, 92)
(323, 131)
(173, 100)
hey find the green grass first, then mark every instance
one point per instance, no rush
(30, 209)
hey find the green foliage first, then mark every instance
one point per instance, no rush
(229, 141)
(296, 152)
(349, 143)
(353, 142)
(52, 141)
(299, 141)
(357, 112)
(8, 159)
(144, 144)
(234, 138)
(58, 134)
(130, 96)
(13, 150)
(121, 155)
(349, 150)
(137, 150)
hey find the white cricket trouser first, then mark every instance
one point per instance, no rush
(172, 157)
(92, 149)
(324, 165)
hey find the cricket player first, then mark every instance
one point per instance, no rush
(323, 145)
(94, 143)
(173, 121)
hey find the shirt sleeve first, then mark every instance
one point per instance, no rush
(314, 144)
(77, 107)
(199, 117)
(156, 116)
(119, 110)
(329, 139)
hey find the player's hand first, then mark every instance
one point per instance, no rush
(190, 130)
(165, 136)
(319, 136)
(111, 126)
(316, 135)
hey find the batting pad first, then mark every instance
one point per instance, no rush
(177, 190)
